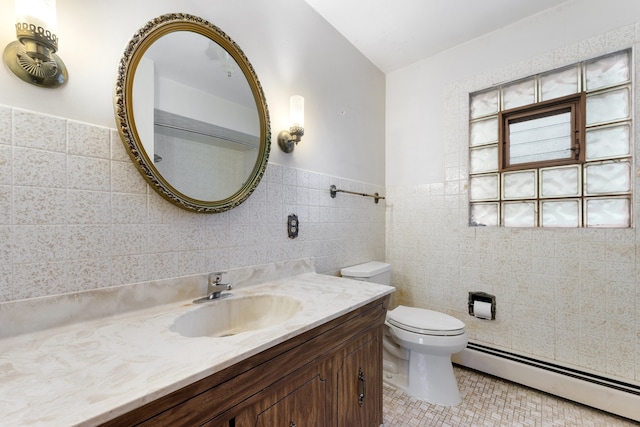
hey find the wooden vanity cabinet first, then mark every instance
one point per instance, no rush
(328, 376)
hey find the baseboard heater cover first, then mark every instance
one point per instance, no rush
(607, 394)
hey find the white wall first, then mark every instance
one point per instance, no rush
(74, 212)
(569, 296)
(293, 50)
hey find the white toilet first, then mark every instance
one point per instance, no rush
(417, 345)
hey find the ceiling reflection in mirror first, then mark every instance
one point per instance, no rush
(192, 114)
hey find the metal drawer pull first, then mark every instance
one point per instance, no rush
(361, 387)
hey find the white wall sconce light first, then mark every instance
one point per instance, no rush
(32, 57)
(287, 140)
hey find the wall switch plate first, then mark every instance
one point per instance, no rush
(292, 226)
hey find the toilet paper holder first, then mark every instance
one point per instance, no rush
(484, 297)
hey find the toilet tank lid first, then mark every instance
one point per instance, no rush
(368, 269)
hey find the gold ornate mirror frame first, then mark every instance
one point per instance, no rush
(126, 123)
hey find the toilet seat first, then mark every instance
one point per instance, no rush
(425, 322)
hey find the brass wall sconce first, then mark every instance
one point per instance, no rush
(287, 140)
(32, 57)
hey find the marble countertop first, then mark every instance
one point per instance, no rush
(87, 372)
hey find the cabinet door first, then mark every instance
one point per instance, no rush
(359, 383)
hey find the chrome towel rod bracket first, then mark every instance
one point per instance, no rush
(333, 190)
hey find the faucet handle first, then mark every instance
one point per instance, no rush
(215, 278)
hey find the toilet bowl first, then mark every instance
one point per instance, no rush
(430, 338)
(417, 344)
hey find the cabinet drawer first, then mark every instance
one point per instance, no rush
(304, 402)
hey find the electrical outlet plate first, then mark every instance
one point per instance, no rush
(293, 226)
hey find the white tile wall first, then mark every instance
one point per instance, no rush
(566, 295)
(75, 214)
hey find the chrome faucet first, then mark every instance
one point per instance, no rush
(215, 288)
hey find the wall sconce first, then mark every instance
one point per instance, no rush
(32, 57)
(287, 140)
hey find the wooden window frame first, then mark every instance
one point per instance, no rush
(575, 104)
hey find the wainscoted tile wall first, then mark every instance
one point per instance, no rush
(75, 214)
(564, 295)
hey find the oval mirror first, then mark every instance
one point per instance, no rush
(192, 114)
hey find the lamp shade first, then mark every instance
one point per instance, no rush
(296, 111)
(41, 13)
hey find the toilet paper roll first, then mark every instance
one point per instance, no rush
(482, 309)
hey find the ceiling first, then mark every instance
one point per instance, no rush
(397, 33)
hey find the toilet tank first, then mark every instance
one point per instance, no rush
(372, 271)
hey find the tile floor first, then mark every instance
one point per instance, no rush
(489, 401)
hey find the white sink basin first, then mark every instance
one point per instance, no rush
(233, 315)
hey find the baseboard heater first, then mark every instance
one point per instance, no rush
(607, 394)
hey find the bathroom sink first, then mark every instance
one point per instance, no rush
(233, 315)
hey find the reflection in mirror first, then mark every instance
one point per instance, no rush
(218, 159)
(192, 114)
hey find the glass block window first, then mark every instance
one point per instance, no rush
(519, 185)
(560, 182)
(519, 94)
(560, 213)
(484, 214)
(560, 83)
(519, 214)
(554, 149)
